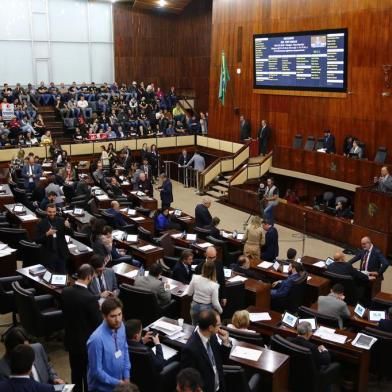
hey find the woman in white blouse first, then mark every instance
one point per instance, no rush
(205, 291)
(104, 156)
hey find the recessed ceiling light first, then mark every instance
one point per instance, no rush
(162, 3)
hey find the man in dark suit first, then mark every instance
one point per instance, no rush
(320, 354)
(386, 324)
(203, 352)
(81, 317)
(220, 274)
(244, 129)
(182, 271)
(104, 283)
(31, 172)
(115, 188)
(202, 215)
(143, 184)
(281, 288)
(42, 370)
(372, 260)
(146, 168)
(166, 191)
(21, 362)
(270, 249)
(115, 211)
(263, 135)
(51, 235)
(184, 158)
(329, 142)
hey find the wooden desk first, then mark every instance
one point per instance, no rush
(141, 220)
(77, 258)
(383, 299)
(122, 269)
(79, 221)
(143, 201)
(29, 225)
(186, 221)
(273, 365)
(103, 200)
(258, 293)
(7, 264)
(6, 197)
(316, 285)
(355, 360)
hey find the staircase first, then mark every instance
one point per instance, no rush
(54, 125)
(220, 189)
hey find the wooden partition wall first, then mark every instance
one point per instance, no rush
(365, 113)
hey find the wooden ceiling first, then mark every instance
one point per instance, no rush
(172, 6)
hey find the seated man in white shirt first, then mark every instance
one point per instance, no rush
(83, 106)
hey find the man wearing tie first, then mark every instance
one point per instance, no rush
(384, 182)
(146, 168)
(329, 142)
(182, 271)
(31, 172)
(263, 136)
(104, 283)
(372, 260)
(244, 129)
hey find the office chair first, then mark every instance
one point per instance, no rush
(310, 142)
(297, 142)
(381, 155)
(237, 380)
(327, 321)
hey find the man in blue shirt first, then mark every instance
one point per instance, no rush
(115, 211)
(281, 288)
(108, 358)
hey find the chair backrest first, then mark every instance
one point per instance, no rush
(40, 213)
(297, 141)
(380, 350)
(320, 143)
(144, 234)
(84, 238)
(351, 292)
(297, 293)
(20, 196)
(322, 319)
(166, 243)
(109, 218)
(235, 294)
(363, 147)
(309, 145)
(29, 314)
(342, 199)
(93, 207)
(235, 379)
(144, 373)
(248, 337)
(328, 197)
(381, 155)
(303, 373)
(202, 233)
(12, 236)
(30, 253)
(139, 303)
(144, 211)
(68, 191)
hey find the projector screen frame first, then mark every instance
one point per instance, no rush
(303, 91)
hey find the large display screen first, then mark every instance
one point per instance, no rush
(309, 60)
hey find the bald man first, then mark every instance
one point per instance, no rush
(143, 184)
(341, 267)
(384, 182)
(115, 211)
(203, 217)
(371, 258)
(211, 254)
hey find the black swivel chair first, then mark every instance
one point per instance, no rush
(171, 252)
(145, 234)
(30, 253)
(40, 213)
(236, 379)
(235, 295)
(297, 142)
(38, 315)
(351, 290)
(228, 257)
(201, 233)
(381, 155)
(84, 238)
(144, 211)
(328, 321)
(69, 192)
(92, 207)
(247, 337)
(146, 377)
(303, 374)
(310, 142)
(12, 236)
(320, 143)
(142, 304)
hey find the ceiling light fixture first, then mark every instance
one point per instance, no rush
(162, 3)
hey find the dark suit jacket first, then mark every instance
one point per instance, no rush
(283, 288)
(183, 160)
(37, 173)
(120, 221)
(320, 359)
(81, 317)
(116, 190)
(110, 281)
(270, 249)
(245, 130)
(329, 144)
(24, 385)
(195, 355)
(220, 276)
(202, 216)
(385, 325)
(166, 193)
(83, 189)
(147, 169)
(157, 359)
(44, 368)
(263, 136)
(181, 273)
(377, 261)
(144, 186)
(347, 269)
(52, 248)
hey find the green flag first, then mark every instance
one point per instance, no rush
(224, 78)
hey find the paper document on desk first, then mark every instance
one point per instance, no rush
(320, 264)
(102, 197)
(171, 286)
(178, 336)
(237, 278)
(262, 316)
(118, 234)
(205, 245)
(132, 274)
(146, 248)
(177, 235)
(168, 352)
(225, 235)
(27, 217)
(227, 272)
(167, 328)
(329, 334)
(265, 264)
(71, 246)
(138, 218)
(246, 353)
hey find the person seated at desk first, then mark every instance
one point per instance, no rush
(134, 330)
(270, 249)
(104, 283)
(68, 173)
(43, 370)
(99, 176)
(356, 150)
(333, 304)
(202, 215)
(281, 288)
(143, 184)
(163, 222)
(153, 283)
(115, 211)
(291, 196)
(384, 182)
(54, 187)
(329, 142)
(189, 380)
(321, 356)
(343, 210)
(82, 188)
(115, 188)
(347, 145)
(182, 270)
(21, 365)
(372, 259)
(386, 324)
(290, 255)
(50, 198)
(242, 266)
(253, 238)
(215, 232)
(240, 321)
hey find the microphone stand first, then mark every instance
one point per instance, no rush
(303, 234)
